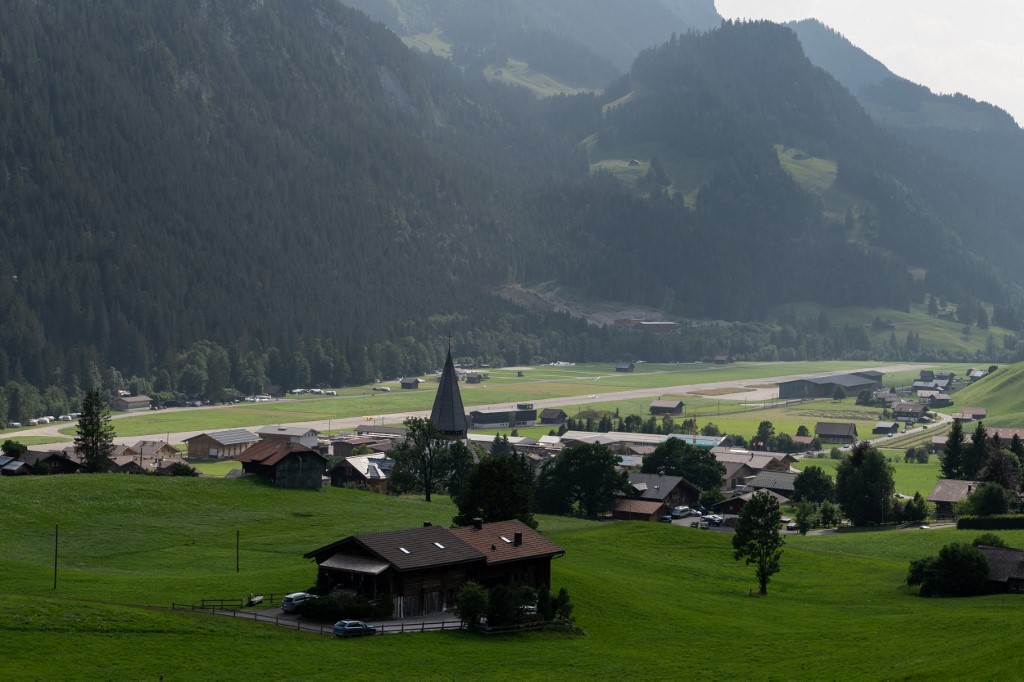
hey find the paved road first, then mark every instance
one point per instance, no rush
(396, 418)
(435, 622)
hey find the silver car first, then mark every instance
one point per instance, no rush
(292, 602)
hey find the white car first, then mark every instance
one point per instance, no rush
(292, 602)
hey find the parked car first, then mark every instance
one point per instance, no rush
(14, 425)
(292, 602)
(667, 518)
(353, 628)
(791, 526)
(714, 519)
(680, 512)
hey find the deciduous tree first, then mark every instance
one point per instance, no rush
(428, 461)
(676, 457)
(757, 537)
(814, 485)
(864, 486)
(497, 489)
(582, 479)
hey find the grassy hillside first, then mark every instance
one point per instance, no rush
(1000, 392)
(131, 545)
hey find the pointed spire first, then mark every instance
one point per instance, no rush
(448, 415)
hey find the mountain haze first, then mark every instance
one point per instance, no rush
(203, 194)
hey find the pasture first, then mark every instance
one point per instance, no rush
(130, 545)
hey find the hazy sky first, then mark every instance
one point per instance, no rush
(976, 48)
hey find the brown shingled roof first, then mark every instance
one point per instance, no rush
(270, 452)
(496, 541)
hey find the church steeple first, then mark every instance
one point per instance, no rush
(448, 415)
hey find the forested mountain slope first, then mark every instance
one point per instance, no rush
(781, 163)
(564, 44)
(982, 137)
(203, 194)
(267, 173)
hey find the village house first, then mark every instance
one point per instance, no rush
(225, 444)
(9, 466)
(625, 367)
(409, 383)
(345, 446)
(1005, 568)
(734, 505)
(301, 435)
(906, 411)
(779, 482)
(54, 461)
(285, 464)
(424, 568)
(836, 432)
(131, 403)
(652, 496)
(368, 472)
(885, 429)
(523, 415)
(948, 492)
(553, 415)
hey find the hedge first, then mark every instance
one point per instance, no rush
(997, 522)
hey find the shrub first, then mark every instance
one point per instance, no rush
(989, 499)
(335, 607)
(998, 522)
(471, 604)
(990, 540)
(960, 570)
(502, 608)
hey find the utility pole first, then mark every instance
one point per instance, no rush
(237, 536)
(56, 535)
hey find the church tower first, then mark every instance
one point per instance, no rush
(448, 415)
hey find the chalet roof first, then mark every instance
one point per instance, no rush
(496, 541)
(410, 381)
(229, 436)
(406, 550)
(845, 380)
(448, 414)
(951, 490)
(1003, 563)
(908, 407)
(668, 404)
(848, 429)
(371, 467)
(656, 486)
(887, 425)
(978, 412)
(135, 399)
(636, 505)
(734, 468)
(775, 480)
(551, 413)
(270, 452)
(34, 457)
(383, 430)
(281, 430)
(747, 496)
(150, 447)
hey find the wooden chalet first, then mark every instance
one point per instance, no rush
(298, 435)
(661, 407)
(409, 383)
(55, 461)
(131, 403)
(286, 465)
(779, 482)
(907, 411)
(885, 428)
(734, 505)
(653, 495)
(836, 432)
(368, 472)
(1005, 568)
(424, 568)
(625, 367)
(9, 466)
(224, 444)
(552, 415)
(948, 492)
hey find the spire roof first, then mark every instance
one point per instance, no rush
(448, 415)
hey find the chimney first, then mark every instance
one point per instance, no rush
(478, 523)
(517, 539)
(427, 524)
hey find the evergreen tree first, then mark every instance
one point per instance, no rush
(975, 454)
(497, 489)
(953, 453)
(864, 486)
(95, 439)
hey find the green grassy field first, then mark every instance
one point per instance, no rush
(811, 173)
(909, 478)
(1000, 392)
(131, 544)
(934, 333)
